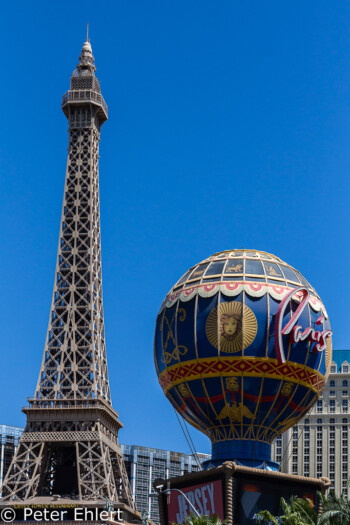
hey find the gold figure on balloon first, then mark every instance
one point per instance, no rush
(287, 388)
(271, 271)
(232, 384)
(184, 390)
(235, 413)
(238, 268)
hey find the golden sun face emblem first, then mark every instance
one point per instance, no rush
(231, 327)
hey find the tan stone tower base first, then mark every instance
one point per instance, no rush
(232, 492)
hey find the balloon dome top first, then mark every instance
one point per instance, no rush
(241, 265)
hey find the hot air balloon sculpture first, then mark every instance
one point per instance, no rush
(243, 349)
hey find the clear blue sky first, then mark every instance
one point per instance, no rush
(229, 127)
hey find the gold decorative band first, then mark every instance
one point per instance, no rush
(241, 366)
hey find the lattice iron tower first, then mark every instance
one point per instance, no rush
(70, 444)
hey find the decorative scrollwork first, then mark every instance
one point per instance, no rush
(182, 314)
(175, 354)
(179, 350)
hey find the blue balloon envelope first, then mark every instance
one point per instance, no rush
(243, 349)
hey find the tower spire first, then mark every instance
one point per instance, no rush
(70, 443)
(86, 64)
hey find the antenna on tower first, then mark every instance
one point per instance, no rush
(87, 33)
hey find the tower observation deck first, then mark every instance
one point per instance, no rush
(70, 447)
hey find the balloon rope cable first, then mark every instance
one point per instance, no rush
(255, 441)
(183, 431)
(290, 439)
(194, 453)
(194, 448)
(301, 433)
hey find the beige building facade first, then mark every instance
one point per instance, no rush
(319, 444)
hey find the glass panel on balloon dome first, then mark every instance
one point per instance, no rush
(183, 279)
(254, 267)
(215, 268)
(237, 254)
(233, 278)
(272, 270)
(234, 267)
(198, 272)
(255, 279)
(303, 280)
(289, 274)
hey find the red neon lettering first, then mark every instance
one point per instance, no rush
(295, 330)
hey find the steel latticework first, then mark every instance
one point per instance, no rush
(70, 444)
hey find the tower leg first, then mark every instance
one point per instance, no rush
(22, 478)
(124, 485)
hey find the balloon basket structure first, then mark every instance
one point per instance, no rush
(247, 453)
(232, 492)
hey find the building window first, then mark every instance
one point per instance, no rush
(332, 383)
(306, 448)
(332, 406)
(319, 443)
(345, 393)
(332, 393)
(345, 367)
(344, 433)
(295, 450)
(333, 369)
(345, 382)
(345, 405)
(319, 406)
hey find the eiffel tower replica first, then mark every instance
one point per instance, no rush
(69, 450)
